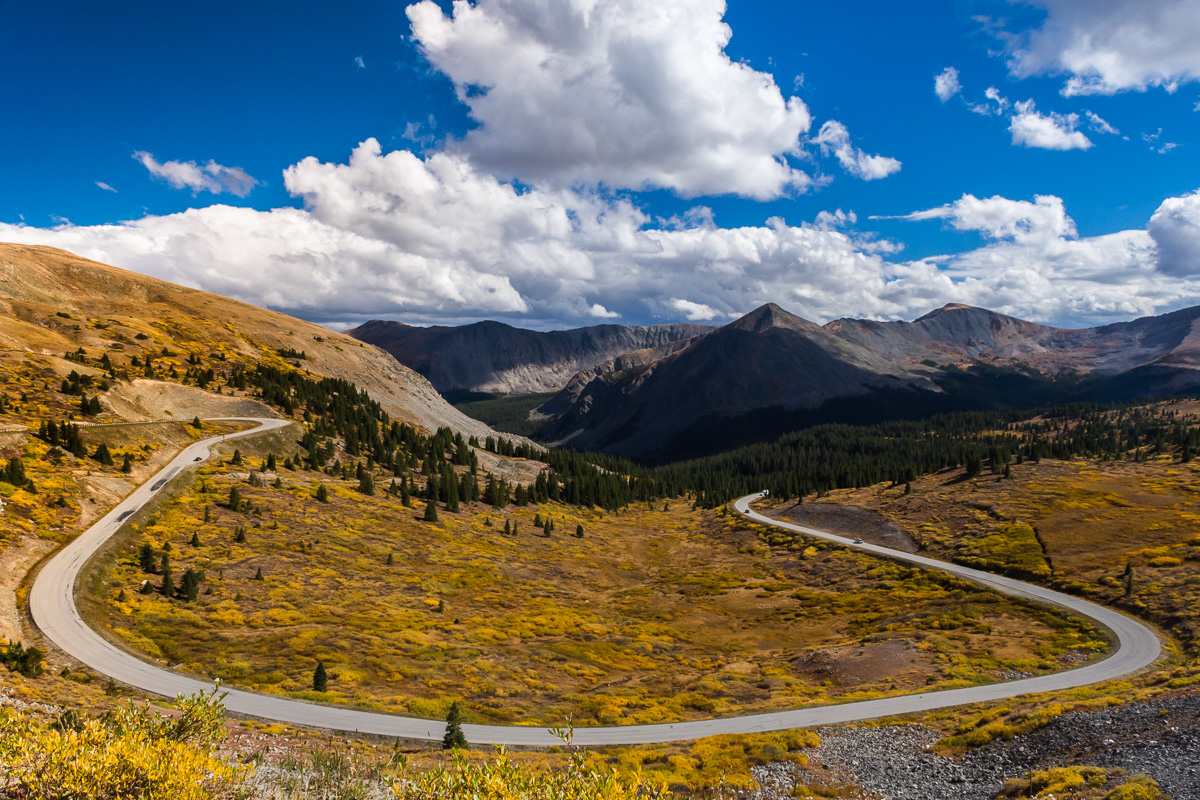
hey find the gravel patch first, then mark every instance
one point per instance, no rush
(1160, 738)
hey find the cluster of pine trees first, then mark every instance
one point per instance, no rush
(849, 456)
(151, 562)
(805, 462)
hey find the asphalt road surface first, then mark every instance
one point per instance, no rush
(52, 605)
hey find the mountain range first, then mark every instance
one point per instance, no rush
(494, 358)
(654, 393)
(772, 371)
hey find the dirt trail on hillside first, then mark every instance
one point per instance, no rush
(15, 561)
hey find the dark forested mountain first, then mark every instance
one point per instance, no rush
(497, 358)
(770, 372)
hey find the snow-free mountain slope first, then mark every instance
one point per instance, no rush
(771, 371)
(55, 301)
(496, 358)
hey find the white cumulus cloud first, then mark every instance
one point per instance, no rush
(434, 239)
(1031, 128)
(946, 85)
(623, 93)
(210, 177)
(834, 138)
(1175, 228)
(1110, 46)
(695, 312)
(1001, 218)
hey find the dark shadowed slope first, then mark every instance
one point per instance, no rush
(772, 371)
(498, 358)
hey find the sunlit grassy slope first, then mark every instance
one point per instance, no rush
(657, 613)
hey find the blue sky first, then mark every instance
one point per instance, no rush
(563, 163)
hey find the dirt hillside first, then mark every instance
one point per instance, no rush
(53, 302)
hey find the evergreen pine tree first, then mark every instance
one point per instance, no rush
(431, 512)
(189, 586)
(195, 542)
(1128, 578)
(15, 472)
(454, 738)
(579, 531)
(146, 558)
(103, 455)
(237, 458)
(258, 576)
(366, 483)
(239, 535)
(196, 423)
(168, 583)
(507, 527)
(974, 464)
(322, 493)
(405, 497)
(391, 559)
(320, 678)
(235, 499)
(127, 464)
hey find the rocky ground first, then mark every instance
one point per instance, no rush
(1160, 738)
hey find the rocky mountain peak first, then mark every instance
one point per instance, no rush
(770, 316)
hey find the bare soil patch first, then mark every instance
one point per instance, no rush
(155, 400)
(852, 665)
(15, 561)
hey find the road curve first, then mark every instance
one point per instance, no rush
(52, 605)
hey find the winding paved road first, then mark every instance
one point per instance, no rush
(52, 604)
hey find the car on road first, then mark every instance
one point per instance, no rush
(858, 540)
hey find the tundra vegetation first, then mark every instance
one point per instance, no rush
(654, 615)
(661, 611)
